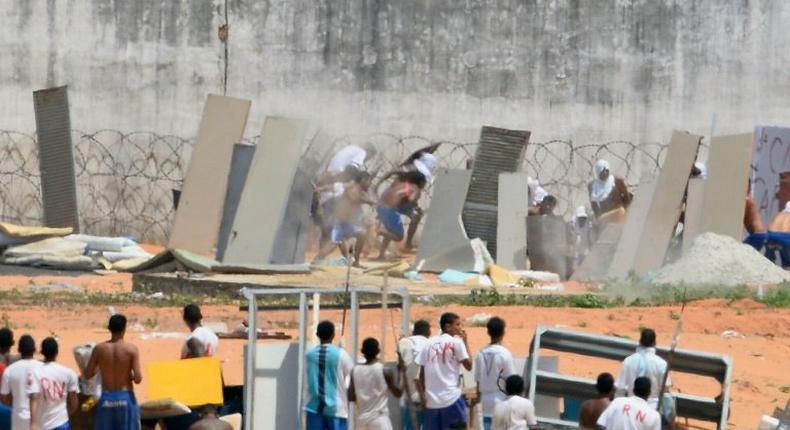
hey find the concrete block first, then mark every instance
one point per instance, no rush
(513, 208)
(726, 185)
(548, 244)
(595, 266)
(264, 200)
(199, 213)
(56, 158)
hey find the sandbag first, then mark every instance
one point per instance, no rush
(101, 243)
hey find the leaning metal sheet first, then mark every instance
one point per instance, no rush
(199, 213)
(239, 166)
(500, 151)
(56, 158)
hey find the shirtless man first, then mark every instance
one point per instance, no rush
(119, 364)
(400, 198)
(778, 237)
(209, 420)
(754, 225)
(593, 408)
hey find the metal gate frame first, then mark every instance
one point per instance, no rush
(252, 294)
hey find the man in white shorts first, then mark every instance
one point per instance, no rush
(13, 387)
(53, 391)
(493, 365)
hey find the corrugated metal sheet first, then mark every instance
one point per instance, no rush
(56, 158)
(500, 150)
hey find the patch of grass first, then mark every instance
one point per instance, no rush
(674, 315)
(785, 389)
(581, 324)
(151, 323)
(777, 298)
(610, 317)
(7, 321)
(739, 312)
(491, 297)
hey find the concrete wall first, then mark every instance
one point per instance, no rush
(585, 70)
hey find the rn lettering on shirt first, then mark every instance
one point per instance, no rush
(51, 389)
(443, 352)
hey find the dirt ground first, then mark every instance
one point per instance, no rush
(760, 347)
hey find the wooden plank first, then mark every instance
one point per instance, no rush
(264, 199)
(726, 185)
(693, 221)
(667, 202)
(512, 210)
(625, 253)
(199, 213)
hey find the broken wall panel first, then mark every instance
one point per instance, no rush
(443, 228)
(500, 151)
(692, 222)
(239, 166)
(513, 209)
(199, 215)
(726, 185)
(56, 158)
(630, 236)
(595, 265)
(264, 200)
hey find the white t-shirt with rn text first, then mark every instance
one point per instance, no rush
(52, 383)
(15, 381)
(206, 337)
(441, 360)
(629, 413)
(515, 413)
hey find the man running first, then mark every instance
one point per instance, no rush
(53, 390)
(400, 198)
(119, 364)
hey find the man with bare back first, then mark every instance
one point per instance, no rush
(400, 198)
(119, 364)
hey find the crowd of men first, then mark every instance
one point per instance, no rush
(431, 374)
(43, 395)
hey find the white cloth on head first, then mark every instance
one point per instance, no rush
(14, 382)
(351, 155)
(493, 365)
(644, 362)
(581, 212)
(52, 383)
(206, 337)
(515, 413)
(409, 348)
(629, 413)
(787, 207)
(441, 361)
(537, 193)
(371, 389)
(601, 189)
(425, 165)
(703, 171)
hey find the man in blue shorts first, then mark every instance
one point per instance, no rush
(119, 364)
(441, 360)
(400, 198)
(328, 369)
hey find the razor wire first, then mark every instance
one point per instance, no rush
(125, 180)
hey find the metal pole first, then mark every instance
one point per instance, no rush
(252, 340)
(384, 296)
(354, 325)
(405, 312)
(302, 346)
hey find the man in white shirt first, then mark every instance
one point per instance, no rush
(440, 360)
(644, 362)
(53, 391)
(632, 413)
(493, 365)
(13, 387)
(202, 342)
(516, 412)
(409, 347)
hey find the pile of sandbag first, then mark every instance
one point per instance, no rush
(77, 252)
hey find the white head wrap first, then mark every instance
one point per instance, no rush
(702, 169)
(537, 192)
(601, 189)
(425, 165)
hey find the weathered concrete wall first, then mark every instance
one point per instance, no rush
(586, 70)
